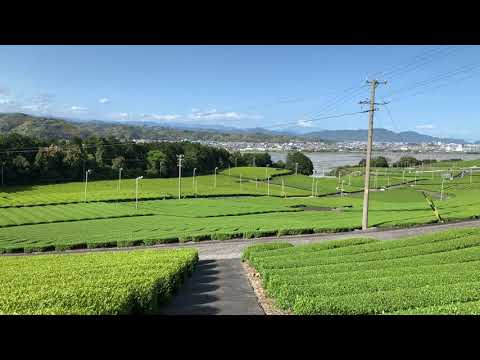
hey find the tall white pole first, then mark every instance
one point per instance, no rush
(471, 175)
(119, 177)
(136, 191)
(86, 183)
(180, 159)
(193, 185)
(316, 188)
(441, 192)
(215, 179)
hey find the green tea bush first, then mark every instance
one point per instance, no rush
(93, 283)
(259, 248)
(433, 273)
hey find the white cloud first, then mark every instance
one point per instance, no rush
(40, 103)
(425, 127)
(304, 123)
(78, 108)
(104, 100)
(215, 114)
(6, 100)
(166, 117)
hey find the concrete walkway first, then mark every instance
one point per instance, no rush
(216, 287)
(220, 286)
(232, 249)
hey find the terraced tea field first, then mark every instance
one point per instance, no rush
(49, 217)
(429, 274)
(93, 283)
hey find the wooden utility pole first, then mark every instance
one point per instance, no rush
(372, 103)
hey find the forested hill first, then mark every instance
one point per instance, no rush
(46, 128)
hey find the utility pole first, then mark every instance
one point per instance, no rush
(374, 84)
(180, 159)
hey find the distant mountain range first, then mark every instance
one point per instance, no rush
(55, 128)
(380, 135)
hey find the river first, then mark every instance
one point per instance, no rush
(325, 161)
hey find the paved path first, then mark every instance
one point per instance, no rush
(232, 249)
(219, 285)
(216, 287)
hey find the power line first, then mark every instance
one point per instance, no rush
(436, 78)
(320, 118)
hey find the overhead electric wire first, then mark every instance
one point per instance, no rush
(423, 60)
(439, 77)
(320, 118)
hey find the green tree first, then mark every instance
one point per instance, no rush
(156, 163)
(305, 165)
(279, 164)
(118, 162)
(406, 161)
(379, 161)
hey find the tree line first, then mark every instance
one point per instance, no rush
(28, 160)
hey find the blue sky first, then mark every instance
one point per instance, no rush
(274, 87)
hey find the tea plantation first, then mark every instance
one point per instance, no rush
(429, 274)
(106, 283)
(56, 217)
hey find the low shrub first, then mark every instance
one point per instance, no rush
(75, 246)
(258, 248)
(298, 231)
(102, 244)
(127, 243)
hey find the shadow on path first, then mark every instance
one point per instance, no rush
(216, 287)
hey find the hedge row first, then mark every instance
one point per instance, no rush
(429, 274)
(78, 219)
(94, 283)
(249, 234)
(369, 257)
